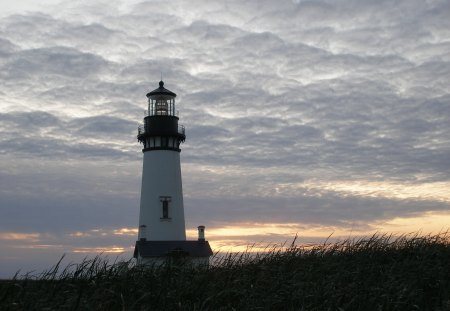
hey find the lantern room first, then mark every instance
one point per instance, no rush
(161, 102)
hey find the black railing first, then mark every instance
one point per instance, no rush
(148, 113)
(141, 129)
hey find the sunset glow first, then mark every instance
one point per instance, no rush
(97, 250)
(19, 236)
(433, 191)
(126, 231)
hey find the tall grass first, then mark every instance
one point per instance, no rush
(377, 273)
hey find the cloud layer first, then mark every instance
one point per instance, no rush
(284, 103)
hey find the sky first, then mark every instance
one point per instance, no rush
(308, 118)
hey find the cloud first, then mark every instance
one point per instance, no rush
(272, 94)
(19, 236)
(102, 125)
(28, 121)
(324, 208)
(51, 61)
(44, 134)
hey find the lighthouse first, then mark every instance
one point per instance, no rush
(162, 232)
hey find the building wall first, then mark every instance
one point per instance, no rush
(159, 261)
(161, 176)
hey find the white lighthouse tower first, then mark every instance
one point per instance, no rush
(162, 232)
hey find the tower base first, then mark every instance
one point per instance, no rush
(158, 253)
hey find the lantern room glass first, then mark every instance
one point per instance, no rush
(161, 107)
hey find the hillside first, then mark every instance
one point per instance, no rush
(378, 273)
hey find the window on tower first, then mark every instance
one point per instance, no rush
(165, 206)
(165, 209)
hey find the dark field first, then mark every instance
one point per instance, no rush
(378, 273)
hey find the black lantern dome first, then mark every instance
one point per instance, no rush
(161, 92)
(160, 129)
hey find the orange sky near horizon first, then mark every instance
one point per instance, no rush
(239, 236)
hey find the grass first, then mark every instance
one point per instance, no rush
(377, 273)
